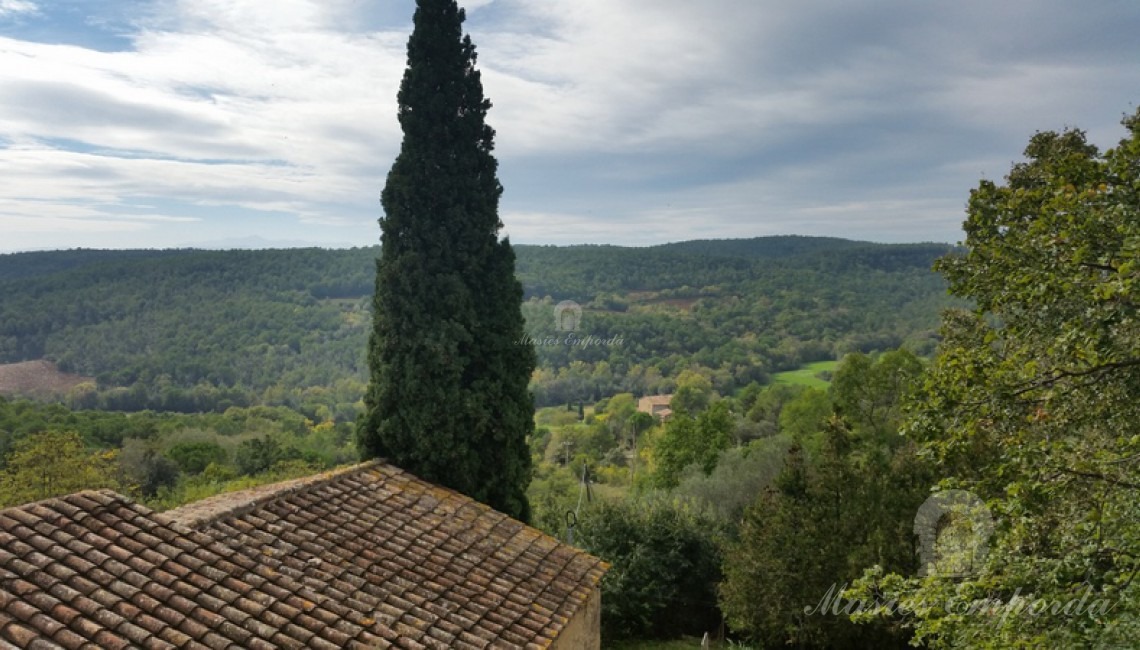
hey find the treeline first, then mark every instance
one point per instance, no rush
(193, 331)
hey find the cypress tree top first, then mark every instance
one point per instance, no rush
(448, 395)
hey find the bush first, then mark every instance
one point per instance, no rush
(193, 457)
(665, 568)
(740, 476)
(257, 455)
(144, 469)
(552, 493)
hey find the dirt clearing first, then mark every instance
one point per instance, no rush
(36, 378)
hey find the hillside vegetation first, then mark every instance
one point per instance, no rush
(191, 330)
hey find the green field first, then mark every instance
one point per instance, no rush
(806, 376)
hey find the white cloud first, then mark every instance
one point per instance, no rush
(617, 121)
(10, 7)
(292, 119)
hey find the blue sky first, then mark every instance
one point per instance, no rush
(161, 123)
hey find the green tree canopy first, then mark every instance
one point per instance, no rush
(448, 395)
(694, 391)
(1032, 402)
(808, 535)
(665, 568)
(803, 416)
(692, 441)
(53, 463)
(868, 391)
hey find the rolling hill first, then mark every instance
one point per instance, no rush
(193, 330)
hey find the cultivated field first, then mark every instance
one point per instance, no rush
(36, 378)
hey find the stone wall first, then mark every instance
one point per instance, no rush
(584, 631)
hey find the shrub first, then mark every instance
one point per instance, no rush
(665, 568)
(193, 457)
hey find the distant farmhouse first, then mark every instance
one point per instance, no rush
(657, 406)
(364, 557)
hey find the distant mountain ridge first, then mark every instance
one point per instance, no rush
(36, 263)
(764, 247)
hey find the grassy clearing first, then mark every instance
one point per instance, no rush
(806, 376)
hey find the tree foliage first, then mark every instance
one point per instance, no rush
(53, 463)
(195, 456)
(448, 396)
(845, 498)
(1032, 402)
(803, 416)
(665, 566)
(258, 455)
(740, 476)
(870, 391)
(164, 459)
(693, 393)
(689, 440)
(144, 469)
(811, 533)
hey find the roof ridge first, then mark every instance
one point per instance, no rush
(197, 514)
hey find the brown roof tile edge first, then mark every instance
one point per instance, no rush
(230, 504)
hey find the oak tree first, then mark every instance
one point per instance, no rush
(1032, 404)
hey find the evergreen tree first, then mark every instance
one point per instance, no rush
(448, 395)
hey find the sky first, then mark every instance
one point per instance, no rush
(252, 123)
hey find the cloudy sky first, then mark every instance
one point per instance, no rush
(159, 123)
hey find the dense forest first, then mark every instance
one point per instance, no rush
(194, 331)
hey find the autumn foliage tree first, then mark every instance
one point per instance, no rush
(447, 397)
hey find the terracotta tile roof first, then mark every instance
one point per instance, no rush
(439, 568)
(95, 570)
(370, 557)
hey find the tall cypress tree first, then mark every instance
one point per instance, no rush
(448, 395)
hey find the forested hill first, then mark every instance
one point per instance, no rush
(201, 330)
(577, 272)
